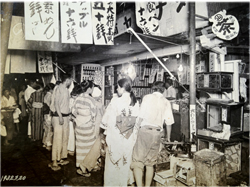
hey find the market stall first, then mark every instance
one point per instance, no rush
(200, 48)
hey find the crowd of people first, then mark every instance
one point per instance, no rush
(72, 120)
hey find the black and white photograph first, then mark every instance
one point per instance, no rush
(125, 93)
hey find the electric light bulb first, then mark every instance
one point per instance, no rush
(180, 68)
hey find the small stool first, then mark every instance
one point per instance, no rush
(210, 168)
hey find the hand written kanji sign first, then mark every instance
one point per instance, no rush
(166, 18)
(41, 21)
(76, 25)
(45, 62)
(103, 19)
(125, 20)
(225, 26)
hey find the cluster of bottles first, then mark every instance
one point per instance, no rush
(88, 72)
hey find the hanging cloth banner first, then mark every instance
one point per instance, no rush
(76, 25)
(41, 21)
(167, 18)
(225, 26)
(104, 20)
(44, 62)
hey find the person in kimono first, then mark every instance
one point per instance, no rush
(84, 110)
(48, 129)
(35, 106)
(118, 121)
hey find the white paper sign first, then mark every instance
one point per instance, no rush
(192, 120)
(167, 18)
(76, 25)
(45, 62)
(41, 21)
(103, 19)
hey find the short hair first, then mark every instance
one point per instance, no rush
(158, 86)
(169, 81)
(4, 89)
(30, 81)
(48, 87)
(65, 76)
(76, 90)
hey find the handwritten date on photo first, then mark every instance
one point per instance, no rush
(12, 178)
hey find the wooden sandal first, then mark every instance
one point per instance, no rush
(79, 171)
(54, 168)
(63, 162)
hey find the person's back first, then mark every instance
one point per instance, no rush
(155, 109)
(63, 96)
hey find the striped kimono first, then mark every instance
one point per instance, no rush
(35, 106)
(84, 109)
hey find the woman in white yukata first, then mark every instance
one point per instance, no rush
(118, 122)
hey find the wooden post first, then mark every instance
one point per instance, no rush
(5, 32)
(74, 72)
(192, 60)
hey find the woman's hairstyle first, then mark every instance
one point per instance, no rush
(126, 83)
(98, 86)
(76, 90)
(86, 84)
(48, 87)
(58, 82)
(158, 86)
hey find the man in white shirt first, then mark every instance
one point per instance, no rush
(8, 102)
(170, 92)
(155, 110)
(29, 90)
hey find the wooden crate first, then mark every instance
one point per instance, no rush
(210, 168)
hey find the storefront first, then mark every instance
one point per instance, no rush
(202, 48)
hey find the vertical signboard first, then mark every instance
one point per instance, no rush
(41, 21)
(76, 25)
(103, 19)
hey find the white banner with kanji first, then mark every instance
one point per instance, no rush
(167, 18)
(76, 24)
(103, 20)
(41, 21)
(45, 62)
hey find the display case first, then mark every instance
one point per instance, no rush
(88, 71)
(219, 112)
(215, 81)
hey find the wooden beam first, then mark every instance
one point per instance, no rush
(141, 56)
(192, 62)
(5, 32)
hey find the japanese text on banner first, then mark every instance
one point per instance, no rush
(45, 62)
(166, 18)
(103, 19)
(76, 25)
(41, 21)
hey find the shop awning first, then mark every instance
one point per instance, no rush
(125, 45)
